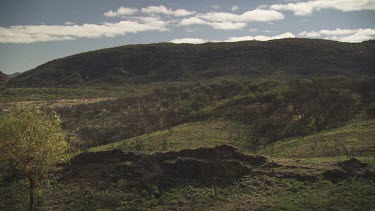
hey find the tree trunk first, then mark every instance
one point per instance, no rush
(31, 194)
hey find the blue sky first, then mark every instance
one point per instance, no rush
(37, 31)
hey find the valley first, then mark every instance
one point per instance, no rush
(180, 129)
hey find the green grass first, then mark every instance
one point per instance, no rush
(370, 159)
(45, 94)
(252, 192)
(185, 136)
(255, 192)
(8, 95)
(353, 140)
(324, 195)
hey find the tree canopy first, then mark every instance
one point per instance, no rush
(32, 142)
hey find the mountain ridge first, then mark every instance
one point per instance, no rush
(3, 77)
(159, 62)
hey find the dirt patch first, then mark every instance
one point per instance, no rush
(352, 166)
(221, 152)
(220, 161)
(102, 157)
(348, 169)
(192, 168)
(335, 175)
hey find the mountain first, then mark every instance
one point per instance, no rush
(14, 75)
(179, 62)
(3, 77)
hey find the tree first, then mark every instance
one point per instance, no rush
(33, 143)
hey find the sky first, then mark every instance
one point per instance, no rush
(33, 32)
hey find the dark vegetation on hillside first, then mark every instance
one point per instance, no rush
(201, 179)
(182, 62)
(3, 77)
(181, 143)
(266, 111)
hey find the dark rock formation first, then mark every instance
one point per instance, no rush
(348, 169)
(220, 161)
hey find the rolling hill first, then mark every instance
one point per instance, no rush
(3, 77)
(182, 62)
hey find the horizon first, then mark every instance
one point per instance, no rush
(33, 33)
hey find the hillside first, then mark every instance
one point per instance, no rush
(356, 139)
(14, 75)
(207, 178)
(180, 62)
(3, 77)
(216, 143)
(186, 145)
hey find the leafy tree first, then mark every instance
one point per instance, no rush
(33, 143)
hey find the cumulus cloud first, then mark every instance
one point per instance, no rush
(235, 7)
(122, 11)
(42, 33)
(189, 40)
(166, 11)
(68, 23)
(261, 37)
(344, 35)
(308, 7)
(231, 21)
(224, 25)
(257, 15)
(328, 32)
(234, 39)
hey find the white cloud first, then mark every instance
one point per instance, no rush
(231, 21)
(68, 23)
(359, 36)
(42, 33)
(225, 25)
(328, 32)
(257, 15)
(161, 9)
(234, 39)
(235, 7)
(189, 40)
(215, 6)
(122, 11)
(166, 11)
(308, 7)
(261, 37)
(344, 35)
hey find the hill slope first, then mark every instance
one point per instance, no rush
(180, 62)
(3, 77)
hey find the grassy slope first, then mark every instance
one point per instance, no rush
(185, 136)
(252, 192)
(8, 95)
(263, 192)
(257, 192)
(354, 140)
